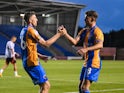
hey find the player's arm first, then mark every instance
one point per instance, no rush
(11, 48)
(70, 38)
(40, 40)
(50, 41)
(99, 38)
(99, 45)
(17, 54)
(13, 53)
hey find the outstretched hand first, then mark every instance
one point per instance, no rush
(62, 30)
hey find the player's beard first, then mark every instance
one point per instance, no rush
(88, 25)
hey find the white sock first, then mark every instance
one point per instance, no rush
(1, 71)
(16, 73)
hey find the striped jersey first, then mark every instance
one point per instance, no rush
(92, 37)
(29, 38)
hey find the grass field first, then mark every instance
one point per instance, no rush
(64, 78)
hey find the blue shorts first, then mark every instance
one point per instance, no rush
(37, 74)
(90, 73)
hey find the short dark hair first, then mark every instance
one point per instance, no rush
(28, 15)
(92, 13)
(13, 37)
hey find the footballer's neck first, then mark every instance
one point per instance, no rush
(93, 24)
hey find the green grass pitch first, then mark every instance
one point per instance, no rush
(64, 77)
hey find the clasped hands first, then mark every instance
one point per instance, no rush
(62, 30)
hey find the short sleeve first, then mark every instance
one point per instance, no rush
(98, 35)
(10, 45)
(34, 33)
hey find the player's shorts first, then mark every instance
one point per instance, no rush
(37, 74)
(90, 73)
(12, 60)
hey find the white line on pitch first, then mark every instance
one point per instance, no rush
(6, 77)
(105, 90)
(77, 80)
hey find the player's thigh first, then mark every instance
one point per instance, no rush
(13, 61)
(37, 74)
(8, 60)
(92, 74)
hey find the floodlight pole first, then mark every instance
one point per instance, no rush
(57, 21)
(77, 22)
(23, 22)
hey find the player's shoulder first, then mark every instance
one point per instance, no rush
(97, 30)
(32, 30)
(24, 28)
(9, 42)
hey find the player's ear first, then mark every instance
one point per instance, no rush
(30, 20)
(92, 19)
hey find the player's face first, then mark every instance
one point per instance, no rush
(33, 20)
(14, 39)
(88, 21)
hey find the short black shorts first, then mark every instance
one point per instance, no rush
(12, 60)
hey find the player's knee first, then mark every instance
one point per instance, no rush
(47, 86)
